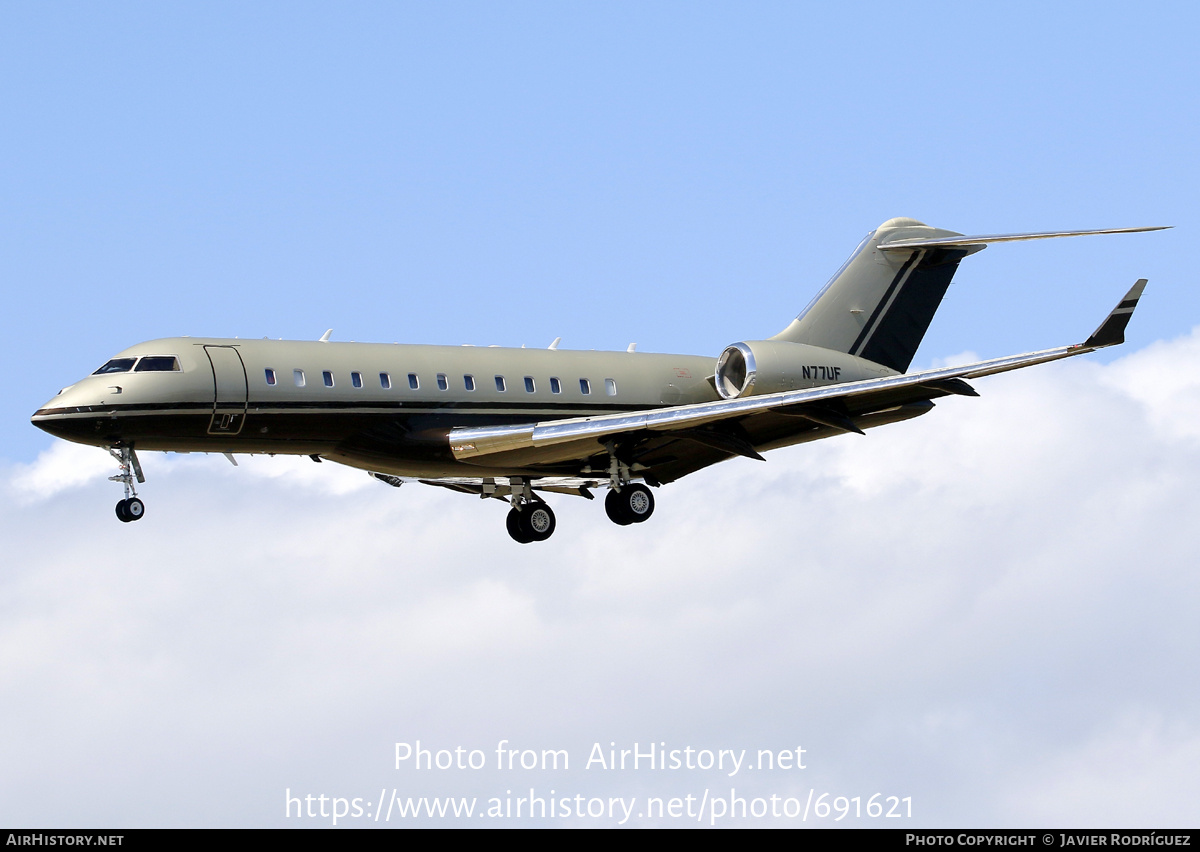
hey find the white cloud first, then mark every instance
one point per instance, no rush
(1138, 771)
(64, 466)
(68, 466)
(971, 608)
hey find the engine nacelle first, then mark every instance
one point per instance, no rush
(769, 366)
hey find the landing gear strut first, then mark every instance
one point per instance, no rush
(529, 519)
(626, 503)
(131, 508)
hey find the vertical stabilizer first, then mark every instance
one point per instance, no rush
(880, 303)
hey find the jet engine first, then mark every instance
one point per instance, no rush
(769, 366)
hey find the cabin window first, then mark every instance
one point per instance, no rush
(500, 384)
(385, 381)
(327, 377)
(610, 387)
(413, 381)
(157, 364)
(585, 387)
(469, 382)
(443, 383)
(530, 387)
(555, 385)
(116, 365)
(356, 379)
(298, 377)
(270, 377)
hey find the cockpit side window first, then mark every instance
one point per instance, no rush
(158, 364)
(116, 365)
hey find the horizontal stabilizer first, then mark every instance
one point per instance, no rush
(1112, 330)
(905, 245)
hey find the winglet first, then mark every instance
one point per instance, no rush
(1112, 330)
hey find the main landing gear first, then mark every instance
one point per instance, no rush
(131, 508)
(631, 505)
(530, 522)
(626, 502)
(529, 519)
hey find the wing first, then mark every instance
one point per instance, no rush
(662, 444)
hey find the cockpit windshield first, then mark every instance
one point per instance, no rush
(158, 364)
(116, 365)
(147, 364)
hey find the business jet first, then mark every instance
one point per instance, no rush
(518, 424)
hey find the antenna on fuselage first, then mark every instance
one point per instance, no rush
(632, 347)
(554, 345)
(325, 336)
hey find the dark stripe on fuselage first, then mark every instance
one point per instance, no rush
(563, 409)
(412, 430)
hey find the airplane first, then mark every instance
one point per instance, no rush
(516, 424)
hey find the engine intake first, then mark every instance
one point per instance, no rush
(756, 367)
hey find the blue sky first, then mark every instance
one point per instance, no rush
(681, 175)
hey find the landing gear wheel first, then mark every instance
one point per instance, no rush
(131, 509)
(531, 522)
(638, 502)
(513, 522)
(135, 508)
(537, 520)
(614, 510)
(631, 505)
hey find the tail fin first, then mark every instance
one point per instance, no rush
(880, 303)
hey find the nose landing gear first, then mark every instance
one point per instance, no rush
(131, 508)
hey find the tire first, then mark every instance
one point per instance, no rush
(515, 528)
(537, 521)
(614, 508)
(122, 514)
(135, 508)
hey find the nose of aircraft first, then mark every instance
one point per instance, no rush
(73, 415)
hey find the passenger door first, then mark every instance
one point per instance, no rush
(229, 390)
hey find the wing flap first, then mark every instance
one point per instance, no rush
(501, 487)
